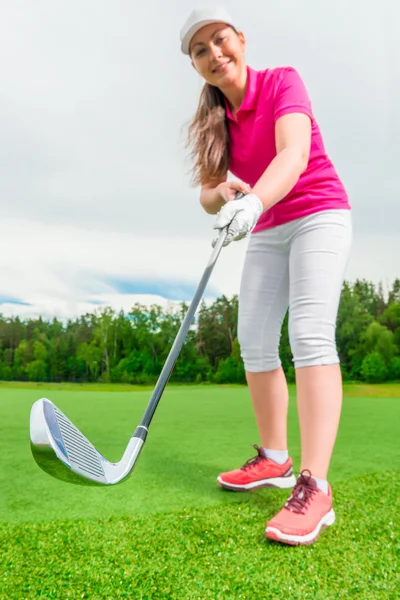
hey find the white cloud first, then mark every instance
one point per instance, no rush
(66, 270)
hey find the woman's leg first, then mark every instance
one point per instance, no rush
(263, 303)
(270, 398)
(319, 403)
(318, 259)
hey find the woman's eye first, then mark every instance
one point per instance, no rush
(220, 40)
(200, 52)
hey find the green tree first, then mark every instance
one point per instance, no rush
(231, 369)
(352, 320)
(391, 319)
(91, 355)
(103, 339)
(377, 338)
(37, 370)
(371, 298)
(394, 294)
(22, 357)
(39, 351)
(217, 328)
(373, 368)
(285, 351)
(394, 369)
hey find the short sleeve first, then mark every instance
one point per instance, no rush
(291, 95)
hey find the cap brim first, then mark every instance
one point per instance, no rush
(185, 45)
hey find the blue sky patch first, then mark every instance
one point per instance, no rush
(95, 302)
(11, 300)
(171, 290)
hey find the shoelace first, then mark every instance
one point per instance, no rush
(302, 493)
(255, 460)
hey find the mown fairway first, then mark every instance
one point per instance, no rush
(170, 532)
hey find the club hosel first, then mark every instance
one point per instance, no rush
(141, 432)
(131, 455)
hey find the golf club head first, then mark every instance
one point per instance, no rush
(62, 451)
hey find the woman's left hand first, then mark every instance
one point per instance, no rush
(240, 216)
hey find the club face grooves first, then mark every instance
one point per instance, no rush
(79, 450)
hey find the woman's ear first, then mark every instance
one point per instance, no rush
(242, 39)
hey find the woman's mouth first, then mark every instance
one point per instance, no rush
(222, 67)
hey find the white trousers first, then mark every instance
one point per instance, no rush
(300, 267)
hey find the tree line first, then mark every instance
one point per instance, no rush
(109, 346)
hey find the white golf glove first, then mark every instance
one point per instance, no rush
(241, 217)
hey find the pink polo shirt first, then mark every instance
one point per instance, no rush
(270, 94)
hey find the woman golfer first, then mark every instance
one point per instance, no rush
(259, 126)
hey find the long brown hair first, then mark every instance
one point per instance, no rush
(208, 137)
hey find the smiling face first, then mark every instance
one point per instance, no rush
(217, 53)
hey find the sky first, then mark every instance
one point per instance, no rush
(96, 203)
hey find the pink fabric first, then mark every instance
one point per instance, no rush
(270, 94)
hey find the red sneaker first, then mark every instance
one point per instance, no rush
(258, 472)
(307, 512)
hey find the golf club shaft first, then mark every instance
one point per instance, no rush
(141, 430)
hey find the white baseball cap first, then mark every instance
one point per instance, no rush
(198, 19)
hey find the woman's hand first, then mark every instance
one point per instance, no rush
(240, 217)
(228, 189)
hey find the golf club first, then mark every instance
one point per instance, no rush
(61, 450)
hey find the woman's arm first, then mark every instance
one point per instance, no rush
(210, 197)
(293, 141)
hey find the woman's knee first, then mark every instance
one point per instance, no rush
(312, 343)
(259, 353)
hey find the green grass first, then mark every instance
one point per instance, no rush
(214, 553)
(74, 387)
(355, 389)
(170, 532)
(196, 433)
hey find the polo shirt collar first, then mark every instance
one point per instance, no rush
(250, 97)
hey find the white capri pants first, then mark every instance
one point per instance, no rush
(300, 267)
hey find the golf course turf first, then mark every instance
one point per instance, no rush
(170, 532)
